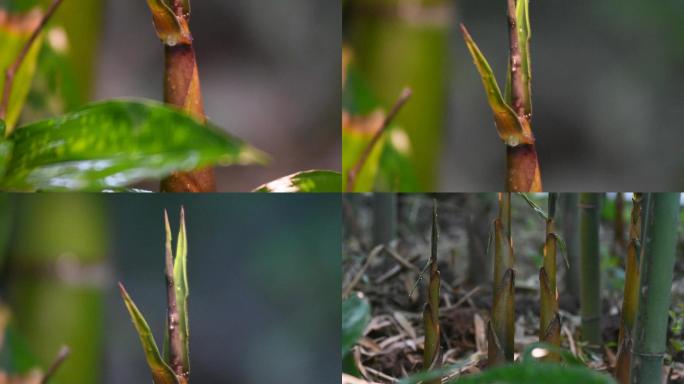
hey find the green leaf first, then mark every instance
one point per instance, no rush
(439, 373)
(113, 144)
(161, 372)
(306, 181)
(512, 130)
(534, 206)
(355, 316)
(567, 356)
(525, 373)
(13, 37)
(180, 277)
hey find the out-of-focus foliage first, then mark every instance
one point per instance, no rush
(396, 45)
(355, 316)
(14, 32)
(389, 166)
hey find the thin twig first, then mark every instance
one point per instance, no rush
(61, 356)
(356, 169)
(350, 287)
(517, 85)
(12, 70)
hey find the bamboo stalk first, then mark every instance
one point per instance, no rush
(549, 319)
(656, 267)
(522, 164)
(501, 328)
(570, 223)
(631, 294)
(182, 89)
(431, 351)
(590, 277)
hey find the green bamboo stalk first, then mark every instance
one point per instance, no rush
(501, 328)
(56, 281)
(431, 353)
(631, 293)
(656, 267)
(590, 277)
(549, 319)
(570, 221)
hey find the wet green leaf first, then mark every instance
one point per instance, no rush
(161, 372)
(355, 316)
(306, 181)
(13, 37)
(113, 144)
(510, 128)
(525, 373)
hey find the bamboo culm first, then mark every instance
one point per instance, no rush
(631, 293)
(590, 277)
(656, 270)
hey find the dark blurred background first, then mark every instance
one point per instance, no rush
(606, 89)
(269, 70)
(263, 272)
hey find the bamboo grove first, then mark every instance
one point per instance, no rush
(649, 255)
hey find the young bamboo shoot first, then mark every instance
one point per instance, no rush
(501, 329)
(431, 353)
(549, 319)
(631, 293)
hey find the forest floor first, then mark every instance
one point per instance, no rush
(391, 278)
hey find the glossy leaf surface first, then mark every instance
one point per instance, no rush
(114, 144)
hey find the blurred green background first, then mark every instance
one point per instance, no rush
(606, 88)
(262, 272)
